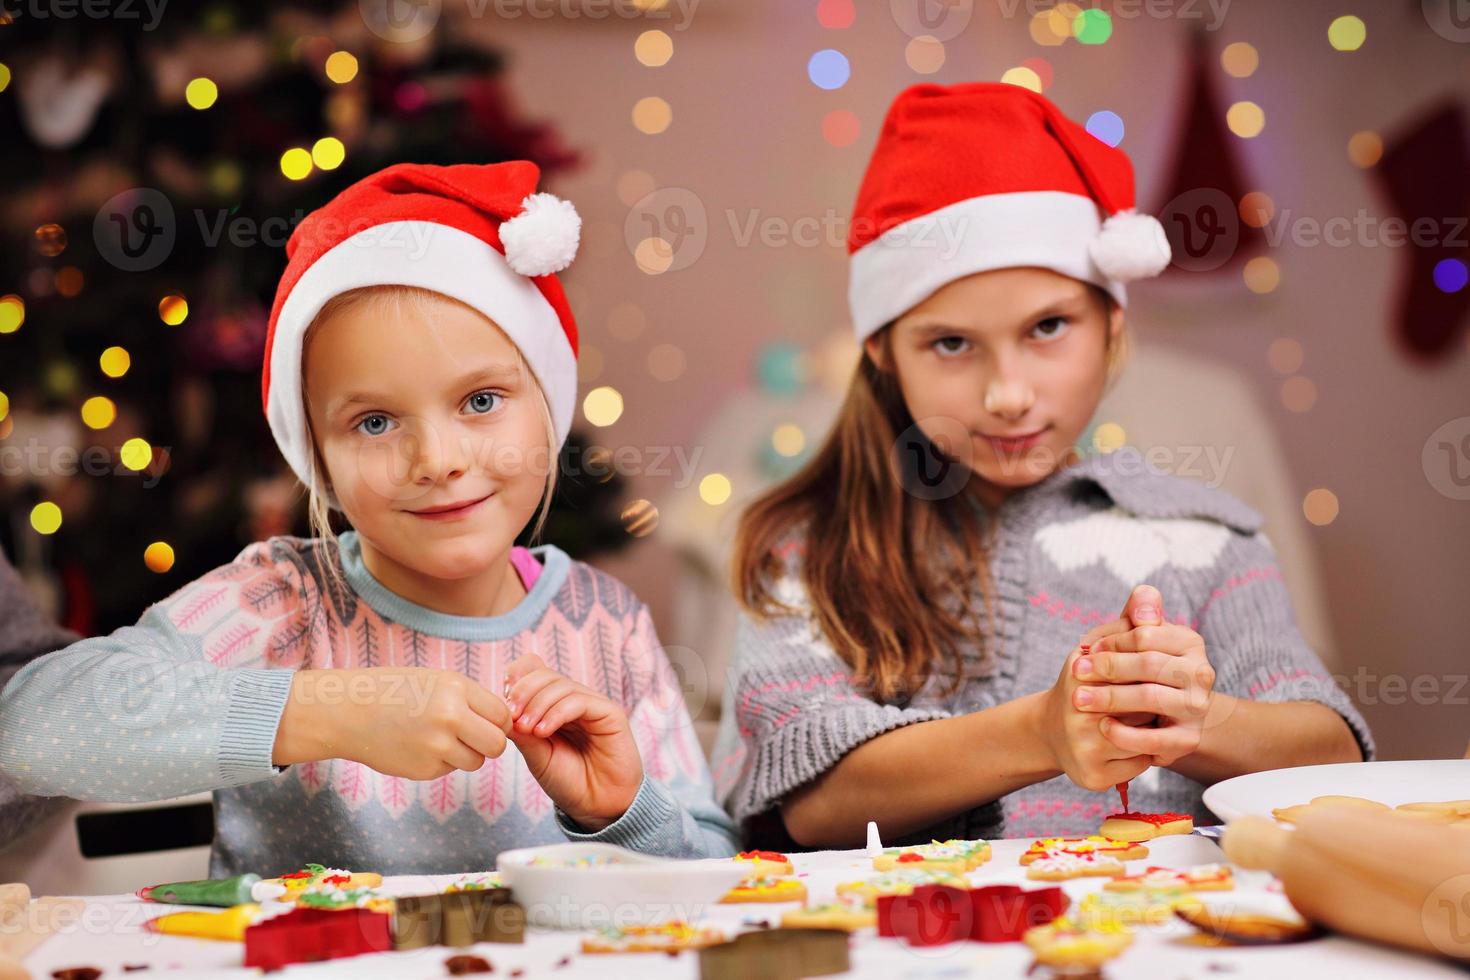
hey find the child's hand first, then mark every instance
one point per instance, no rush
(1076, 738)
(415, 722)
(1158, 670)
(576, 742)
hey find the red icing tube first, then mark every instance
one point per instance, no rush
(1157, 819)
(1123, 792)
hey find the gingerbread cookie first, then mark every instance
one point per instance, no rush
(1064, 867)
(1204, 878)
(766, 864)
(1097, 844)
(957, 856)
(665, 938)
(766, 890)
(1136, 827)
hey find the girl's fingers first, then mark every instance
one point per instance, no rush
(1132, 668)
(568, 709)
(1169, 742)
(521, 667)
(461, 756)
(488, 706)
(1106, 629)
(532, 713)
(1169, 638)
(1117, 699)
(483, 736)
(523, 691)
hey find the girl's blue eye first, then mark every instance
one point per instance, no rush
(483, 401)
(1050, 328)
(951, 346)
(375, 425)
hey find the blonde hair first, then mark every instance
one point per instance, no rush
(319, 506)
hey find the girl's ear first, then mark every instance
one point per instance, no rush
(877, 350)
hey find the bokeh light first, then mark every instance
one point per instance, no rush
(634, 185)
(840, 127)
(654, 256)
(788, 439)
(1285, 355)
(1240, 59)
(1365, 149)
(715, 489)
(653, 49)
(1450, 275)
(201, 93)
(136, 454)
(1245, 119)
(1257, 209)
(1262, 275)
(1107, 126)
(828, 69)
(12, 313)
(924, 54)
(1347, 33)
(341, 67)
(666, 362)
(4, 76)
(1320, 506)
(1022, 76)
(115, 362)
(1109, 437)
(328, 153)
(835, 15)
(159, 557)
(173, 310)
(296, 163)
(69, 281)
(1093, 26)
(50, 240)
(603, 406)
(46, 517)
(98, 412)
(1298, 394)
(652, 115)
(640, 518)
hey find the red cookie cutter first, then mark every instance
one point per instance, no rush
(312, 935)
(1003, 913)
(931, 915)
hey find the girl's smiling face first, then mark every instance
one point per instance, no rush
(1003, 370)
(433, 434)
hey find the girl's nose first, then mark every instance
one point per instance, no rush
(436, 458)
(1009, 397)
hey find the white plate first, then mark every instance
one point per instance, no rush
(629, 889)
(1392, 783)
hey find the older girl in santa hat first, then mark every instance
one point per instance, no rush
(416, 694)
(929, 638)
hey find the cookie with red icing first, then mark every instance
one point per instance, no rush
(765, 864)
(1120, 850)
(1137, 827)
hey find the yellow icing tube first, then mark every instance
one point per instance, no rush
(229, 925)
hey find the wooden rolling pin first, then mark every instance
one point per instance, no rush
(1368, 873)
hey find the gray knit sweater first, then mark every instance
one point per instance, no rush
(1066, 555)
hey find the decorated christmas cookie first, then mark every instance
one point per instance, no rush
(1065, 945)
(1205, 878)
(766, 890)
(668, 937)
(766, 864)
(848, 916)
(1063, 867)
(1115, 910)
(315, 876)
(1145, 826)
(957, 856)
(1102, 846)
(899, 882)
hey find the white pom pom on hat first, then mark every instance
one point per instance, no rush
(543, 238)
(1131, 246)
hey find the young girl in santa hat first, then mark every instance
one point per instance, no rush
(417, 694)
(928, 639)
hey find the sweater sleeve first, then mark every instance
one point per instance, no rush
(25, 634)
(1253, 642)
(674, 813)
(187, 700)
(791, 710)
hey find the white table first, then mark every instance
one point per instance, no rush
(110, 935)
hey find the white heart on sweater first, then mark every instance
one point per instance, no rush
(1132, 548)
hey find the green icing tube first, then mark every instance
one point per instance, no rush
(223, 892)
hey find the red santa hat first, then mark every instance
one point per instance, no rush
(478, 233)
(968, 178)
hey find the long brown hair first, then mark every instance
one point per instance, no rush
(890, 574)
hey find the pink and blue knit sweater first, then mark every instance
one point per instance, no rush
(190, 698)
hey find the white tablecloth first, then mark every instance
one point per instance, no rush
(109, 935)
